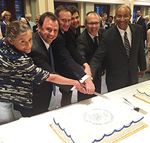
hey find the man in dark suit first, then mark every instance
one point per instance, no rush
(104, 24)
(87, 43)
(47, 32)
(42, 56)
(74, 31)
(141, 21)
(64, 63)
(124, 59)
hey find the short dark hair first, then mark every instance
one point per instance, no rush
(61, 8)
(73, 9)
(44, 15)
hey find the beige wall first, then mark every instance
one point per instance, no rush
(36, 7)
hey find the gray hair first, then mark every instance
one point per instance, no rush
(16, 28)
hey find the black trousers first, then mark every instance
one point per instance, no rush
(41, 100)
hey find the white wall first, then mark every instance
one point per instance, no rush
(142, 2)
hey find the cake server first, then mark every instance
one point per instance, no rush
(138, 109)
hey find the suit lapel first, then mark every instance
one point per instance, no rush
(42, 46)
(120, 42)
(133, 37)
(90, 41)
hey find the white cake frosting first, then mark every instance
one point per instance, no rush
(143, 93)
(91, 123)
(144, 90)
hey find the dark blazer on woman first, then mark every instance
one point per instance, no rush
(121, 71)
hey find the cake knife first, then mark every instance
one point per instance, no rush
(95, 93)
(138, 109)
(101, 95)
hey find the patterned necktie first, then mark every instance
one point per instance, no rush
(52, 66)
(126, 44)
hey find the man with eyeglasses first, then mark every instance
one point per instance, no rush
(64, 62)
(123, 49)
(87, 43)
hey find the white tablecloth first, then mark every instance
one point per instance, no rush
(36, 129)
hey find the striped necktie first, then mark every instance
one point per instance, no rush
(126, 44)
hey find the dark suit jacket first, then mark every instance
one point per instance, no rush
(141, 21)
(120, 71)
(42, 92)
(3, 28)
(85, 51)
(64, 63)
(148, 26)
(71, 37)
(35, 28)
(106, 26)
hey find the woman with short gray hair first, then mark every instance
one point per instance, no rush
(18, 71)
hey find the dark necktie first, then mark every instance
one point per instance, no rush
(96, 41)
(52, 66)
(126, 44)
(51, 59)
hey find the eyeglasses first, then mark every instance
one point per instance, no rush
(93, 23)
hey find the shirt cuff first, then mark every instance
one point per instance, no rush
(85, 77)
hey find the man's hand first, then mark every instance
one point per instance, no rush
(89, 86)
(80, 87)
(85, 85)
(87, 69)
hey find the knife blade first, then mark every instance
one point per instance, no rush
(101, 95)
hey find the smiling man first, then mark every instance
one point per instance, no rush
(123, 49)
(87, 43)
(64, 63)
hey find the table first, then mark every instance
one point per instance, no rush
(36, 129)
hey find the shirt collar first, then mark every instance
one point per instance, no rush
(122, 31)
(46, 44)
(92, 35)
